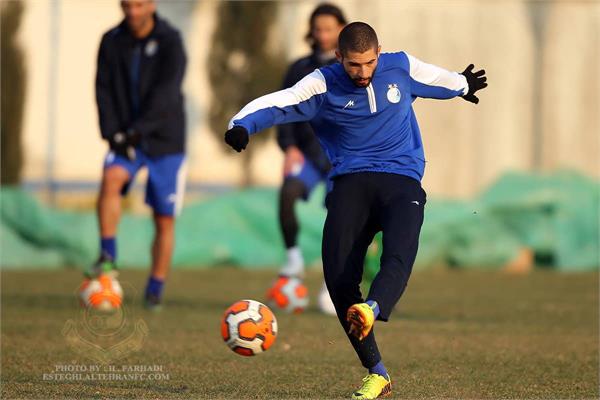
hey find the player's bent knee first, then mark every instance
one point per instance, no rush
(114, 178)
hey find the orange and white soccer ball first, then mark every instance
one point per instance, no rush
(249, 327)
(102, 293)
(288, 294)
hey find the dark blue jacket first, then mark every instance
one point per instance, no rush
(160, 118)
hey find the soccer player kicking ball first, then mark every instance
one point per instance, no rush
(361, 111)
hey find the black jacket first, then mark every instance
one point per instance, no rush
(160, 120)
(301, 134)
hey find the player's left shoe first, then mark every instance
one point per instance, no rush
(152, 302)
(374, 386)
(361, 318)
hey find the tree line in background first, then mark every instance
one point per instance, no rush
(13, 93)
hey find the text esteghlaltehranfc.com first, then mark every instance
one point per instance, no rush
(92, 372)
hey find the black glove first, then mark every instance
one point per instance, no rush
(118, 141)
(237, 137)
(123, 144)
(476, 81)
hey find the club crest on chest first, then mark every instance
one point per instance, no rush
(393, 93)
(151, 48)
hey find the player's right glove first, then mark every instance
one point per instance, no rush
(476, 80)
(237, 137)
(123, 145)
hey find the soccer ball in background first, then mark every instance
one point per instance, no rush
(103, 293)
(249, 327)
(288, 294)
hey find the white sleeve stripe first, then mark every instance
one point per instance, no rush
(432, 75)
(311, 85)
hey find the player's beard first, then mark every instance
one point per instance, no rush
(362, 83)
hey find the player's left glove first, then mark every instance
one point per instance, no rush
(476, 80)
(237, 137)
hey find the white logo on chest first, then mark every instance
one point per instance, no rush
(151, 48)
(393, 93)
(349, 104)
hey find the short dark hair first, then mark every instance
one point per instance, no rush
(324, 9)
(358, 37)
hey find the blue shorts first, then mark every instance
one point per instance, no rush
(166, 179)
(310, 176)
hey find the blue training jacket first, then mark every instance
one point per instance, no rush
(361, 129)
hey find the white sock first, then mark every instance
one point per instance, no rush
(295, 263)
(324, 301)
(294, 256)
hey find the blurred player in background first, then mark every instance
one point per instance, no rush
(361, 110)
(141, 65)
(305, 164)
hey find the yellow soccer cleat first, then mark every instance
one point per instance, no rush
(374, 386)
(361, 319)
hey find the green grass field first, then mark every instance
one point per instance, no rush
(456, 334)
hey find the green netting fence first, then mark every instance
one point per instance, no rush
(556, 216)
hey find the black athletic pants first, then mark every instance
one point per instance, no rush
(359, 206)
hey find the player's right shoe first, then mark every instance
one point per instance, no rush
(374, 386)
(361, 318)
(104, 265)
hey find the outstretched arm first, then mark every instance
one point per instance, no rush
(430, 81)
(299, 103)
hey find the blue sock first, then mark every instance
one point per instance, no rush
(108, 245)
(154, 287)
(374, 306)
(379, 369)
